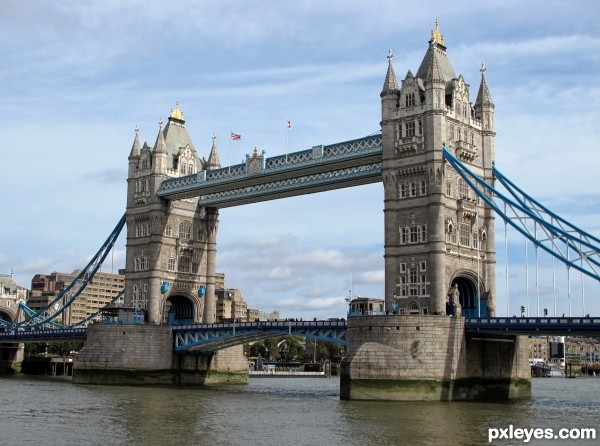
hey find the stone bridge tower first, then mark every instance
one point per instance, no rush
(439, 237)
(171, 245)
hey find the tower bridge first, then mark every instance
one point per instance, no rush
(441, 337)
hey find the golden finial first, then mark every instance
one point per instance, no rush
(176, 113)
(436, 37)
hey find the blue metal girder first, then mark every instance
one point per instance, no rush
(212, 337)
(44, 317)
(570, 245)
(534, 325)
(321, 168)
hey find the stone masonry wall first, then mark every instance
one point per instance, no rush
(143, 354)
(399, 357)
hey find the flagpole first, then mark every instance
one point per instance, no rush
(288, 125)
(230, 138)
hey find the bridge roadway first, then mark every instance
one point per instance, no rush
(212, 337)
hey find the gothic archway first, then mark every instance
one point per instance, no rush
(179, 310)
(469, 299)
(5, 315)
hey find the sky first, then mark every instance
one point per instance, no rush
(76, 78)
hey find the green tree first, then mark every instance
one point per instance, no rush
(290, 348)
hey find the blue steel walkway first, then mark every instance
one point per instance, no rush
(211, 337)
(321, 168)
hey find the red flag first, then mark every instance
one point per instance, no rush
(235, 136)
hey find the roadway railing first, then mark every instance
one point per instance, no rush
(20, 335)
(535, 325)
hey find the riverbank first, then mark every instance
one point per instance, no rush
(277, 374)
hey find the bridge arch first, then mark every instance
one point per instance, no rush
(470, 298)
(181, 308)
(7, 315)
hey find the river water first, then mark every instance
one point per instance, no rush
(275, 411)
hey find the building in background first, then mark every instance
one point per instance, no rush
(100, 292)
(230, 305)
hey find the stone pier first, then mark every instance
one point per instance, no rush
(410, 358)
(119, 354)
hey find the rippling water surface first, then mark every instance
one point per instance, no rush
(274, 411)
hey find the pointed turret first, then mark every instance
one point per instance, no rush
(159, 146)
(213, 159)
(390, 84)
(159, 154)
(390, 94)
(434, 72)
(135, 148)
(484, 99)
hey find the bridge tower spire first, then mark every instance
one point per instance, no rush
(439, 255)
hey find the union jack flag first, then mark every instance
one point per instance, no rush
(235, 136)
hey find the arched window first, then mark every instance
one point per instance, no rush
(184, 265)
(185, 230)
(413, 308)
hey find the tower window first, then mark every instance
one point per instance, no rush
(185, 230)
(184, 265)
(410, 100)
(413, 189)
(414, 234)
(410, 128)
(463, 190)
(403, 192)
(465, 235)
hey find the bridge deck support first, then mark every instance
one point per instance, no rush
(117, 354)
(410, 358)
(11, 358)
